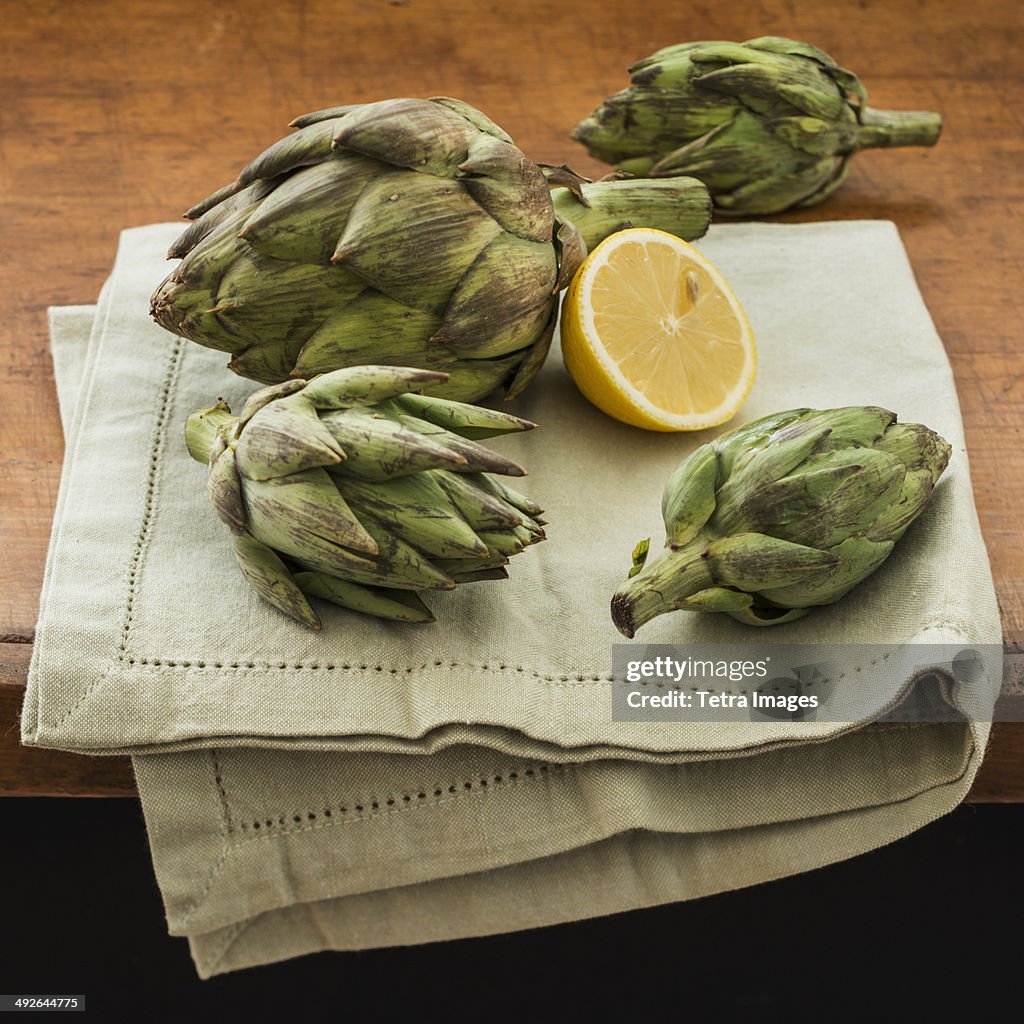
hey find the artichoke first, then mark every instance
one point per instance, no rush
(405, 232)
(784, 514)
(351, 488)
(767, 124)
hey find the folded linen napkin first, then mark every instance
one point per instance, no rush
(415, 783)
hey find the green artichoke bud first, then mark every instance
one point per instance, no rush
(784, 514)
(405, 232)
(351, 488)
(766, 125)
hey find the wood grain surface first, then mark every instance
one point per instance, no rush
(116, 114)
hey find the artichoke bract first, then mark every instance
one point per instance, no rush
(784, 514)
(767, 124)
(405, 232)
(352, 488)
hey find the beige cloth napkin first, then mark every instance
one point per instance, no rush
(421, 783)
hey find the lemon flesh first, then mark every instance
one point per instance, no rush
(653, 335)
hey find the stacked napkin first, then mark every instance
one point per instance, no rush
(384, 784)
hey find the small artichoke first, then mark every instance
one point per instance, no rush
(784, 514)
(766, 125)
(351, 488)
(406, 232)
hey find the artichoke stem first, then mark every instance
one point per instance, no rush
(898, 128)
(679, 205)
(662, 586)
(201, 430)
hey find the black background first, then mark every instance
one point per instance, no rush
(923, 930)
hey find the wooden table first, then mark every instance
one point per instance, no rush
(123, 113)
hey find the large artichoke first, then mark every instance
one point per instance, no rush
(405, 232)
(783, 514)
(766, 124)
(351, 488)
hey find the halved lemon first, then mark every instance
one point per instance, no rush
(653, 335)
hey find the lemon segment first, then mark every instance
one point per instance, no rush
(653, 335)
